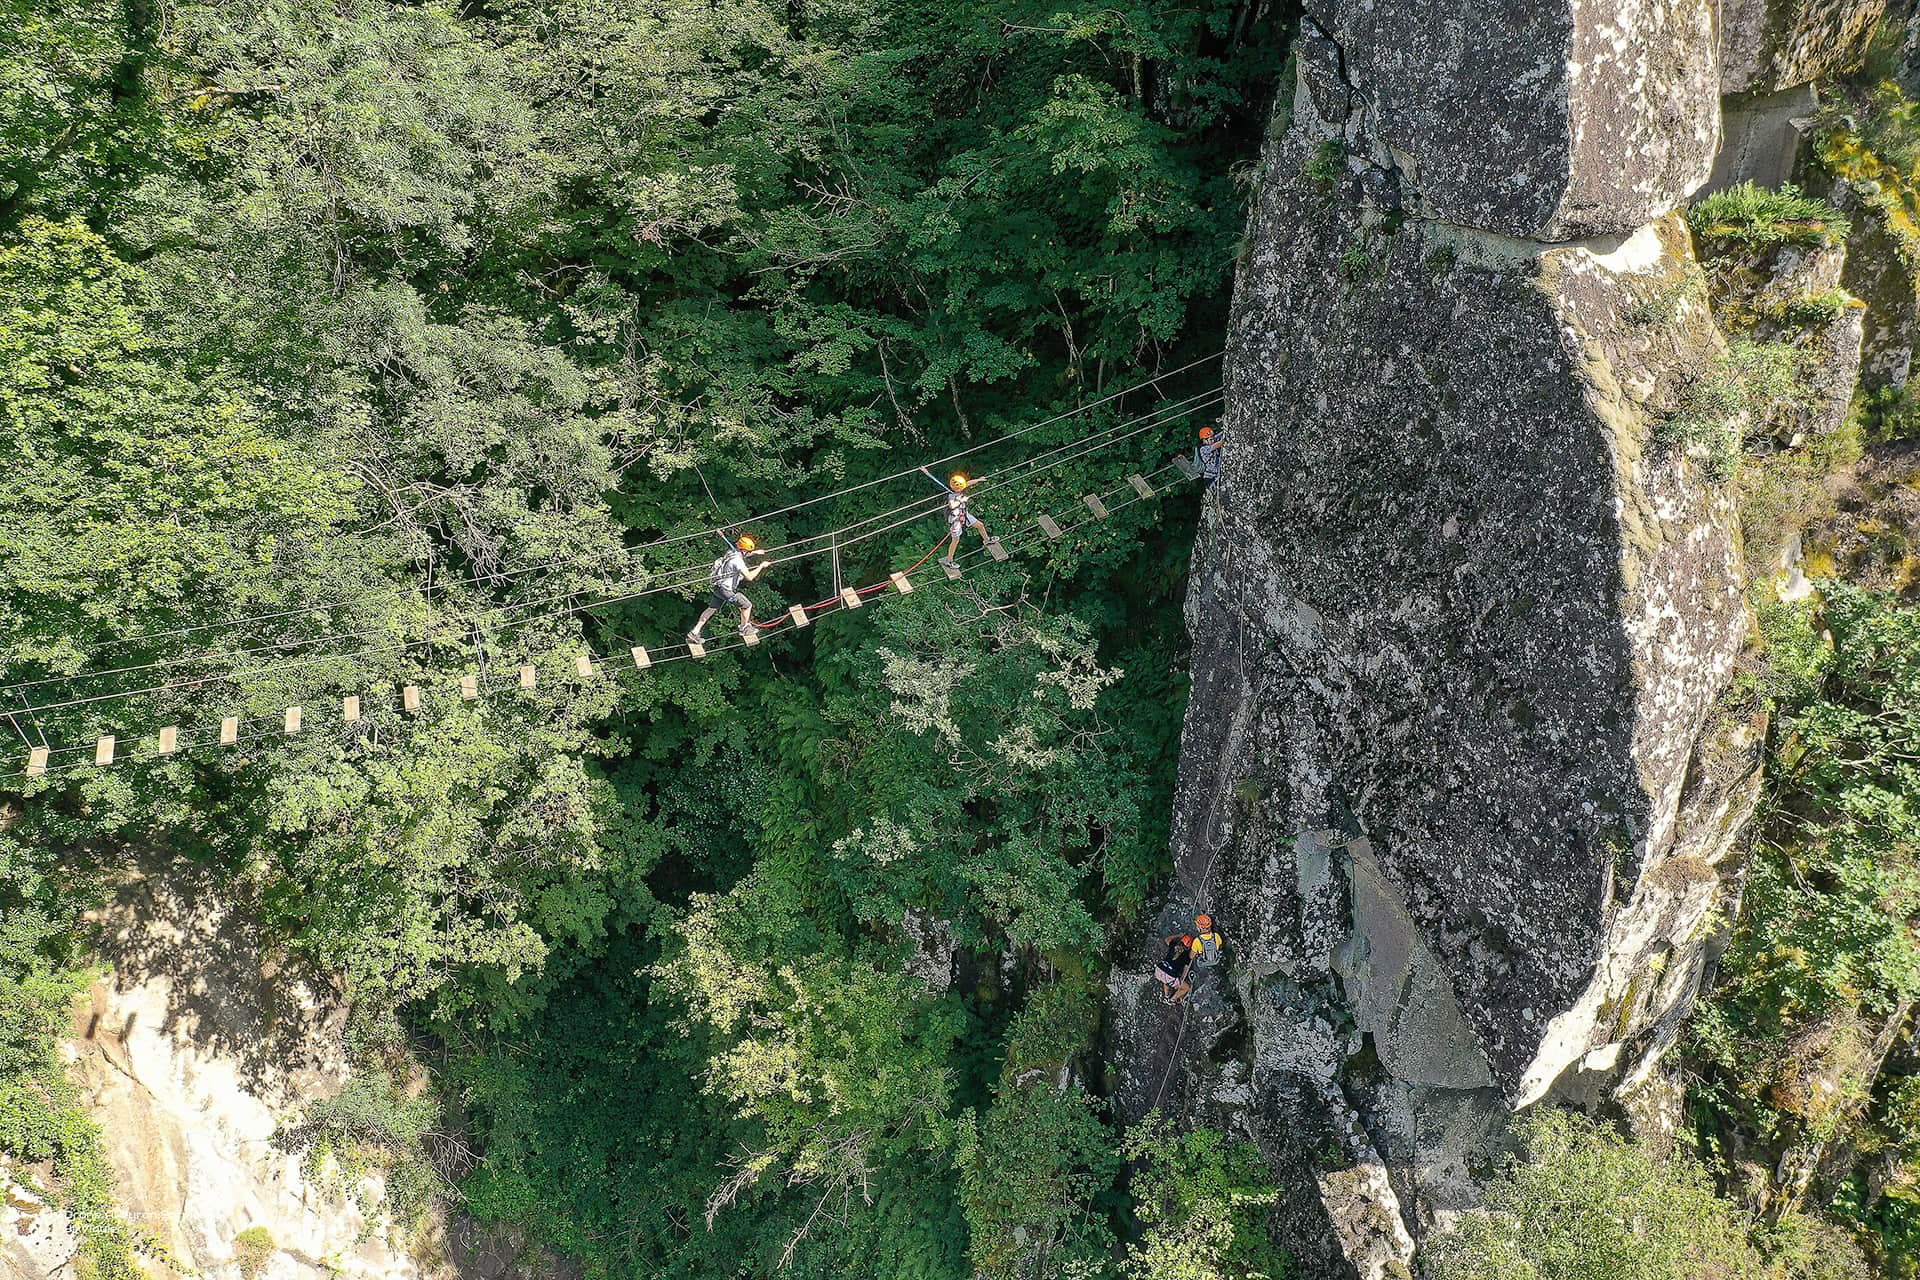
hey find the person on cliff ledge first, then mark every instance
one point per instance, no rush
(1185, 953)
(1206, 456)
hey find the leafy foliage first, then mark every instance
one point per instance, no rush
(1204, 1201)
(1579, 1200)
(352, 348)
(1825, 952)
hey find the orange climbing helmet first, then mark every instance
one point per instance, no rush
(746, 542)
(1204, 920)
(1206, 433)
(958, 482)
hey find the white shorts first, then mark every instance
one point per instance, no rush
(956, 523)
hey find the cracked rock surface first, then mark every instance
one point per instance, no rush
(1456, 777)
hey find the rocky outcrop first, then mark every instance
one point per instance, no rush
(192, 1051)
(1539, 119)
(1454, 773)
(1769, 45)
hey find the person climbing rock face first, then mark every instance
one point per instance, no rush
(959, 518)
(1171, 972)
(1206, 456)
(1188, 955)
(1206, 943)
(724, 581)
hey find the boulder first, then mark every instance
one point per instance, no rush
(1531, 120)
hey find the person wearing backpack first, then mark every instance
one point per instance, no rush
(1206, 456)
(1171, 972)
(1186, 953)
(724, 581)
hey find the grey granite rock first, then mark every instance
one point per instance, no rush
(1460, 626)
(1769, 45)
(1538, 118)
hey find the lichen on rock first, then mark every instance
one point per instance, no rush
(1461, 617)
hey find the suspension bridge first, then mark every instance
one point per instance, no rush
(497, 670)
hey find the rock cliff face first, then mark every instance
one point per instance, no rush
(1453, 773)
(191, 1052)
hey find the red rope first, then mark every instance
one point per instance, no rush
(863, 591)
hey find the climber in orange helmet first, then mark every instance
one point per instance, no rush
(958, 517)
(723, 585)
(1206, 456)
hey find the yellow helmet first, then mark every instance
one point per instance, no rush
(958, 482)
(746, 542)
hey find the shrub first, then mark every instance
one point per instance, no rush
(1327, 161)
(1204, 1202)
(1754, 217)
(1737, 394)
(1581, 1202)
(253, 1249)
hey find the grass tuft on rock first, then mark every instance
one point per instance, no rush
(1756, 217)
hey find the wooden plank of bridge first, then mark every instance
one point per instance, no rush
(850, 598)
(1140, 485)
(292, 722)
(641, 661)
(953, 570)
(1094, 505)
(350, 708)
(697, 649)
(229, 731)
(529, 678)
(584, 665)
(750, 635)
(36, 762)
(799, 615)
(469, 688)
(900, 583)
(1049, 526)
(103, 749)
(169, 740)
(1185, 467)
(410, 697)
(995, 550)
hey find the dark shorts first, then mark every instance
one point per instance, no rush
(718, 599)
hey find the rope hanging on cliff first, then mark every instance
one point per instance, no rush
(1213, 817)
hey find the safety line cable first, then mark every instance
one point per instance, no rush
(665, 541)
(189, 741)
(688, 576)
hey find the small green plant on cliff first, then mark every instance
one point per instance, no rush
(1326, 163)
(383, 1121)
(1582, 1202)
(1735, 396)
(1755, 217)
(253, 1249)
(1204, 1202)
(1664, 304)
(1355, 263)
(1889, 413)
